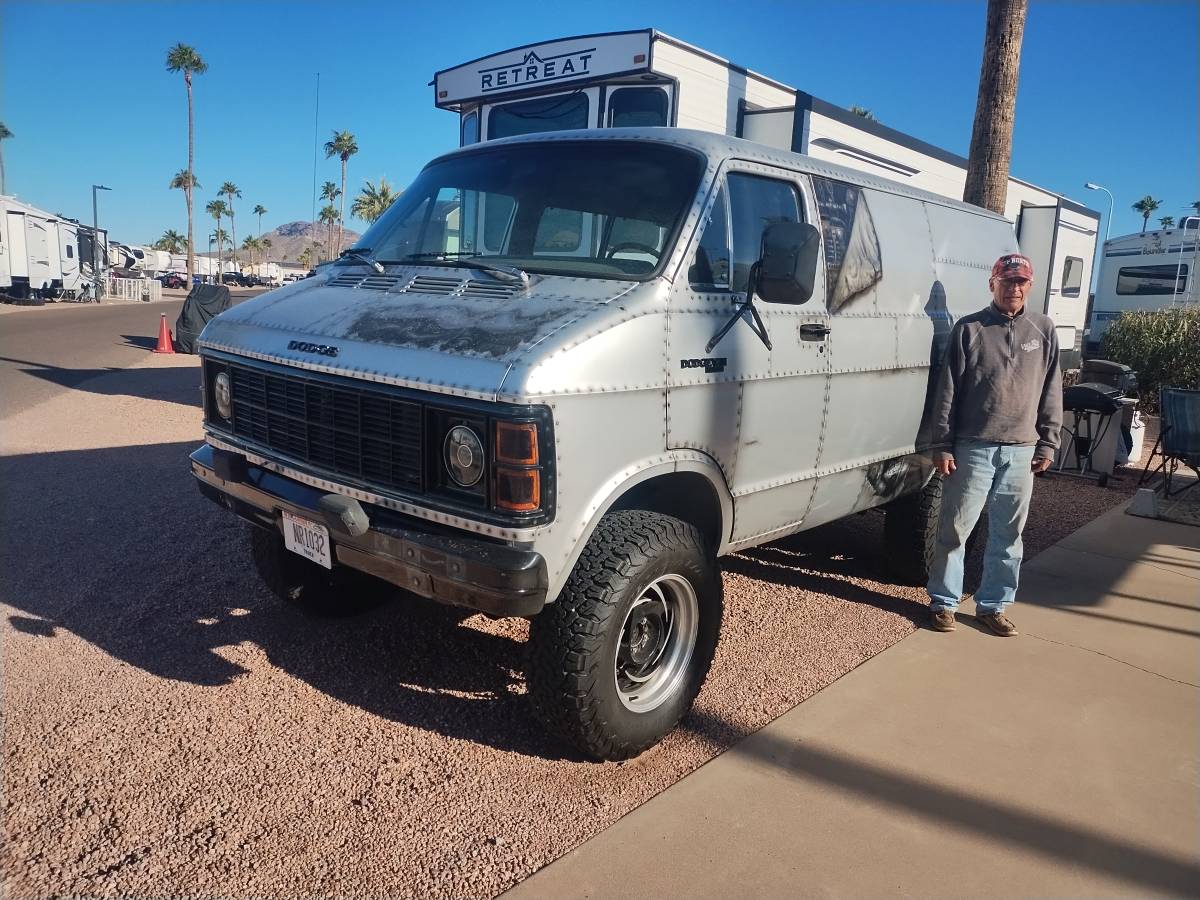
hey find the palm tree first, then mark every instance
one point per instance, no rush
(5, 134)
(343, 146)
(170, 242)
(372, 202)
(216, 209)
(329, 216)
(266, 247)
(1146, 206)
(1196, 207)
(996, 105)
(259, 211)
(305, 257)
(330, 192)
(1167, 222)
(863, 113)
(182, 58)
(230, 190)
(185, 181)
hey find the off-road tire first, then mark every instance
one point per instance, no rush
(573, 642)
(910, 531)
(307, 586)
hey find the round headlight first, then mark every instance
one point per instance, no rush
(464, 456)
(222, 395)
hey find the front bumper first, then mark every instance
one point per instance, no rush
(457, 570)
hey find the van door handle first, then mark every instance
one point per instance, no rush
(814, 330)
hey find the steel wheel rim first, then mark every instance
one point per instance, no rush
(656, 643)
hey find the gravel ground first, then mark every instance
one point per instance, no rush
(169, 729)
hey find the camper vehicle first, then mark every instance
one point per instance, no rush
(39, 252)
(573, 369)
(643, 78)
(1152, 270)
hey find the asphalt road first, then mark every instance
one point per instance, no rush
(45, 350)
(172, 729)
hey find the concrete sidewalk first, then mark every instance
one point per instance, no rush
(1060, 762)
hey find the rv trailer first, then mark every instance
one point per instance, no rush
(1149, 271)
(647, 78)
(40, 253)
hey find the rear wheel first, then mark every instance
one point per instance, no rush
(910, 533)
(618, 659)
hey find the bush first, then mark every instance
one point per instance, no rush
(1162, 346)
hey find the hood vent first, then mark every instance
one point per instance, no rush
(431, 284)
(346, 279)
(491, 289)
(372, 282)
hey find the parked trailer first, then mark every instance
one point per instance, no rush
(1151, 270)
(646, 78)
(39, 252)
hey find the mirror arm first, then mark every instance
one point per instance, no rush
(758, 327)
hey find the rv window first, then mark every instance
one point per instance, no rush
(1142, 280)
(710, 268)
(470, 129)
(1072, 278)
(755, 203)
(543, 114)
(634, 107)
(70, 252)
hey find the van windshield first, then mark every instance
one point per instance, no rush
(608, 209)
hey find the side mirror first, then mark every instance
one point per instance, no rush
(787, 267)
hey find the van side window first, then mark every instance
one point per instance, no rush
(1072, 276)
(710, 267)
(636, 107)
(853, 262)
(754, 203)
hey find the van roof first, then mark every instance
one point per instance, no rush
(718, 147)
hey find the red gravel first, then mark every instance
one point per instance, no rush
(170, 729)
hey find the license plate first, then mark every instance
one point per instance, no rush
(308, 539)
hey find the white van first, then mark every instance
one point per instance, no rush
(565, 372)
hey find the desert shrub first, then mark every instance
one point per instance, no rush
(1162, 346)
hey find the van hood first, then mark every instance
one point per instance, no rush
(449, 330)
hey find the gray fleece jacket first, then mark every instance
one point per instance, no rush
(999, 382)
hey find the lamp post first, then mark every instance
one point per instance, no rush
(96, 237)
(1108, 221)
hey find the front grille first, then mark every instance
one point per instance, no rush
(364, 434)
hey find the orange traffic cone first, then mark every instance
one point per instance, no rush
(165, 343)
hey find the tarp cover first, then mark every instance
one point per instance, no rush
(204, 302)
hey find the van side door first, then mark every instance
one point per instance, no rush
(758, 411)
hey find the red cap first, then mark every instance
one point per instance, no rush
(1013, 265)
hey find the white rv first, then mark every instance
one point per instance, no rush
(39, 252)
(1151, 270)
(647, 78)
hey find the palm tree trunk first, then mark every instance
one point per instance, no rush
(342, 214)
(2, 190)
(995, 108)
(1145, 222)
(191, 247)
(232, 232)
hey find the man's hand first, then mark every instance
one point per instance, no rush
(944, 465)
(1040, 464)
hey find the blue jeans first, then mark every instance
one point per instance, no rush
(999, 476)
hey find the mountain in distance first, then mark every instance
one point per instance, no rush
(289, 239)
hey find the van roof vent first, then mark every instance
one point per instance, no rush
(491, 289)
(432, 284)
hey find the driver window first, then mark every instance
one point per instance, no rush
(754, 203)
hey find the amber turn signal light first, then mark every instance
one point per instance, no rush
(517, 443)
(518, 490)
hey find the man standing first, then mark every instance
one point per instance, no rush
(996, 414)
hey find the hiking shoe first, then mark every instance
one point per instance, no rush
(942, 620)
(998, 623)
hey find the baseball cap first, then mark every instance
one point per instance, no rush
(1012, 265)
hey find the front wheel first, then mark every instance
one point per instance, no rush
(616, 662)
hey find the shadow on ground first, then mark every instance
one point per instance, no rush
(173, 384)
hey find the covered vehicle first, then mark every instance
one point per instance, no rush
(203, 303)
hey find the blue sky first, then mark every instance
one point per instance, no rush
(1108, 89)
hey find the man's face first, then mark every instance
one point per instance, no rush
(1009, 294)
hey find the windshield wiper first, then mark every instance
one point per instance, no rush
(473, 261)
(362, 254)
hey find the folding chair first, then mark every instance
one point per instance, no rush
(1178, 439)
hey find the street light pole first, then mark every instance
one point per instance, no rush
(96, 238)
(1108, 222)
